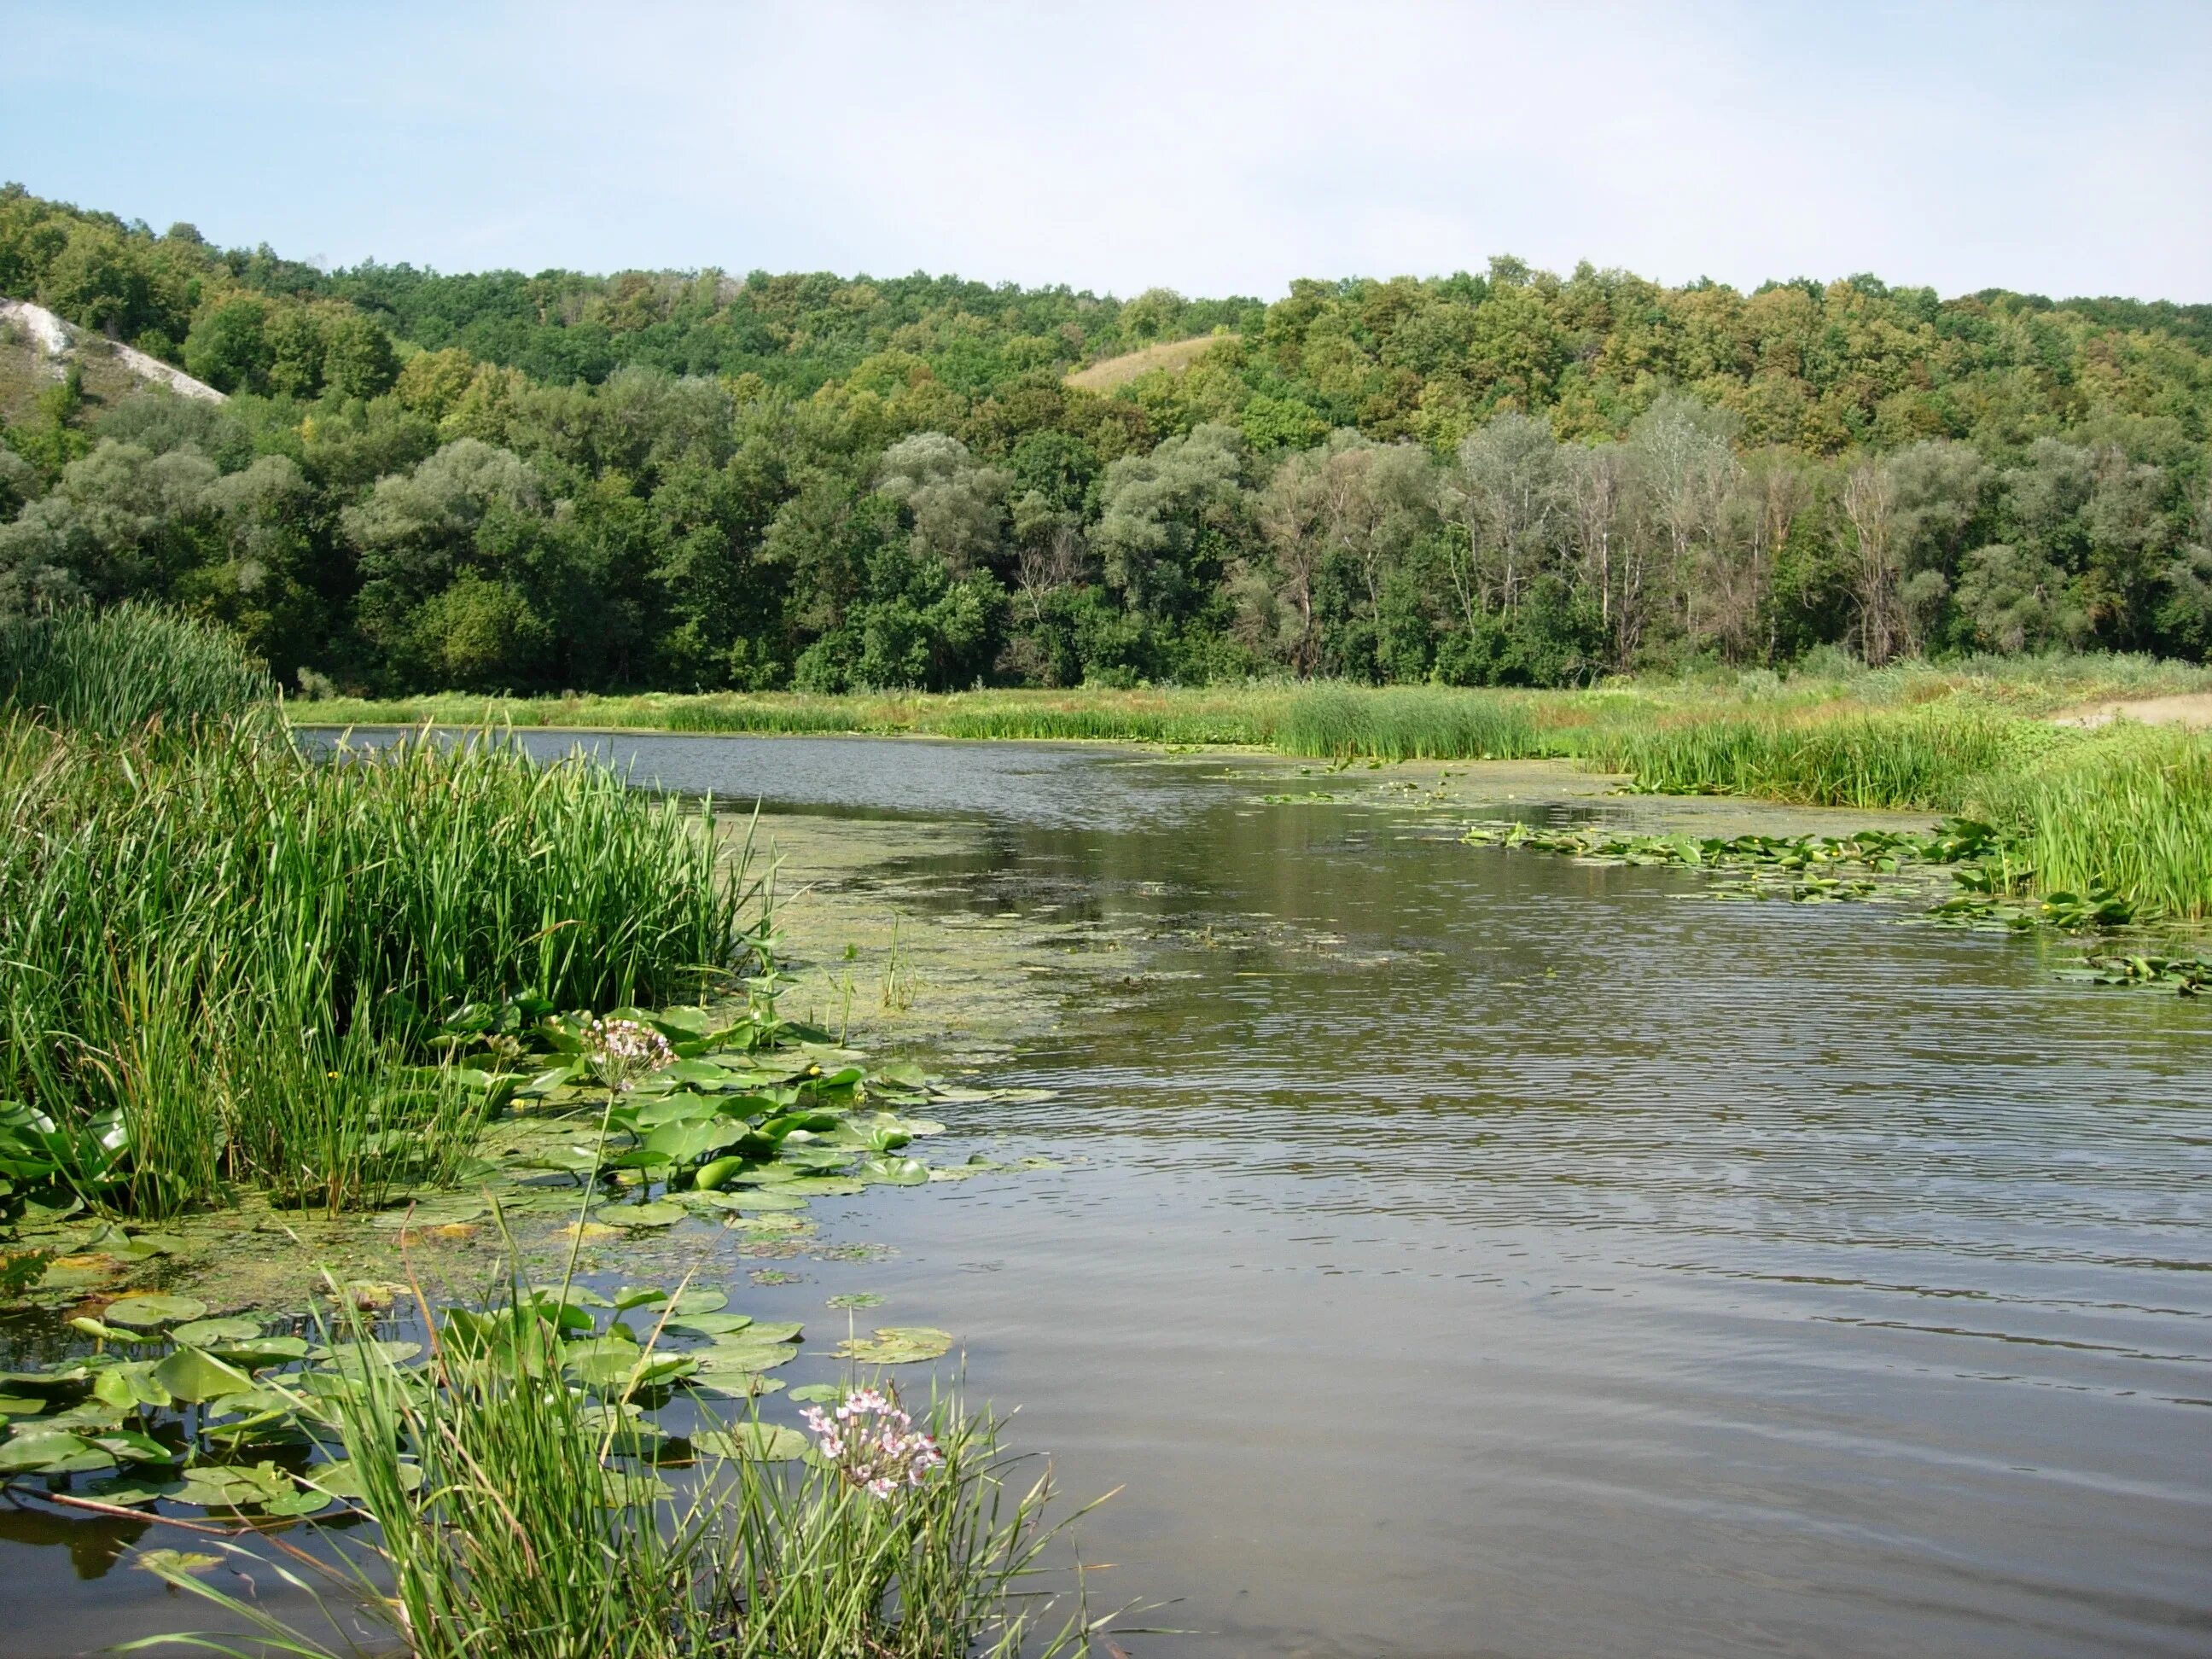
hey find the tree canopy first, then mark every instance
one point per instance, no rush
(694, 480)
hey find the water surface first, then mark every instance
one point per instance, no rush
(1464, 1252)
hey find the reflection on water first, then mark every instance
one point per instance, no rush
(1478, 1253)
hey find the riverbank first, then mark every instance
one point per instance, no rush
(2116, 813)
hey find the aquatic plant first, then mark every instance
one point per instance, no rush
(2129, 813)
(620, 1051)
(546, 1477)
(873, 1444)
(1411, 724)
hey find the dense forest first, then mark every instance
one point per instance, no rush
(690, 480)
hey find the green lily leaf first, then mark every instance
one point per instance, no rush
(147, 1310)
(190, 1375)
(49, 1453)
(896, 1344)
(761, 1443)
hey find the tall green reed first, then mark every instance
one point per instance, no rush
(2128, 813)
(1411, 723)
(1927, 758)
(128, 667)
(201, 936)
(233, 956)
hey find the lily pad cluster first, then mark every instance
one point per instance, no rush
(1805, 869)
(173, 1407)
(2188, 976)
(746, 1123)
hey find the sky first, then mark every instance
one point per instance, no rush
(1210, 148)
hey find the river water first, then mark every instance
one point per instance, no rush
(1465, 1252)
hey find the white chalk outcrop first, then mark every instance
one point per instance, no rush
(60, 341)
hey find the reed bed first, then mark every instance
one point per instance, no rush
(1930, 758)
(127, 668)
(220, 961)
(1410, 724)
(2129, 813)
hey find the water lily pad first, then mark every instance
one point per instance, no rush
(21, 1405)
(46, 1452)
(724, 1359)
(175, 1563)
(784, 1197)
(659, 1213)
(893, 1171)
(205, 1333)
(129, 1494)
(130, 1446)
(710, 1324)
(229, 1486)
(703, 1300)
(818, 1394)
(855, 1299)
(190, 1375)
(774, 1331)
(262, 1351)
(896, 1344)
(130, 1385)
(630, 1369)
(142, 1311)
(760, 1443)
(341, 1478)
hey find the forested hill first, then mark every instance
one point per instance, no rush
(696, 480)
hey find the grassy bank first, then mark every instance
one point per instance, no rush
(1306, 717)
(220, 962)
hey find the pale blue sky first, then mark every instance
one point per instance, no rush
(1211, 148)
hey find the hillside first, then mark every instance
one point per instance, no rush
(691, 481)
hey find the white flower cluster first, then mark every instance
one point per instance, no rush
(874, 1444)
(622, 1051)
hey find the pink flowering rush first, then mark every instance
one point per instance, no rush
(872, 1443)
(622, 1051)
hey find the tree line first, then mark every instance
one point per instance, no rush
(688, 481)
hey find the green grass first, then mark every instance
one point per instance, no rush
(1927, 758)
(1412, 723)
(2128, 813)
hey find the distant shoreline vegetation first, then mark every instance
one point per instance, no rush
(700, 482)
(2123, 810)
